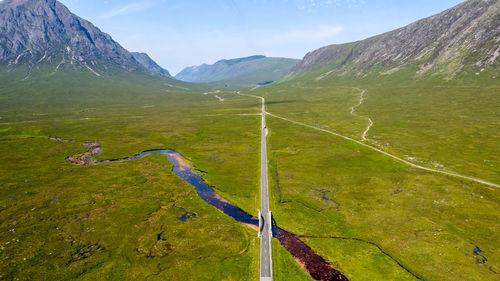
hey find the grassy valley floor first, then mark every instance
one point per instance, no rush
(120, 221)
(372, 216)
(369, 215)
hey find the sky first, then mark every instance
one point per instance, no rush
(181, 33)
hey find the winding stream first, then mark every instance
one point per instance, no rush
(314, 264)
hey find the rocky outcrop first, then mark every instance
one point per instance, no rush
(36, 32)
(468, 34)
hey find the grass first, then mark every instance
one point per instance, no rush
(429, 223)
(372, 217)
(450, 125)
(359, 261)
(284, 265)
(51, 209)
(118, 208)
(365, 212)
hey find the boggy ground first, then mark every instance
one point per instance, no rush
(118, 222)
(104, 224)
(311, 262)
(370, 217)
(375, 218)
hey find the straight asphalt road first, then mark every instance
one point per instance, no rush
(266, 267)
(265, 225)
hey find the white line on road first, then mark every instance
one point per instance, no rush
(265, 221)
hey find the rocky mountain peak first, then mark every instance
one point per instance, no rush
(36, 32)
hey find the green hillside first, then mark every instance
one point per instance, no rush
(239, 73)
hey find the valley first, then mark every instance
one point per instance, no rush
(371, 160)
(327, 213)
(107, 212)
(379, 194)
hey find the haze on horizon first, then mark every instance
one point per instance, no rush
(180, 34)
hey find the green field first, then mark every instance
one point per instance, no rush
(370, 216)
(52, 211)
(376, 218)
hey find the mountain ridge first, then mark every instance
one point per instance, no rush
(246, 71)
(466, 34)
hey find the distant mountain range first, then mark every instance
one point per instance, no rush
(44, 33)
(240, 72)
(466, 35)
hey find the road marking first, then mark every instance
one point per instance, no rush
(265, 225)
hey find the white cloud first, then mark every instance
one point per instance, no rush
(128, 8)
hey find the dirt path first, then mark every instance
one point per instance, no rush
(215, 96)
(353, 113)
(254, 96)
(374, 148)
(386, 153)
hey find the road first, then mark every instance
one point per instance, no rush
(266, 263)
(265, 223)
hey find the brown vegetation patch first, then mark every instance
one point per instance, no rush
(311, 262)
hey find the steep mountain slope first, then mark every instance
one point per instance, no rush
(149, 64)
(249, 71)
(45, 32)
(468, 34)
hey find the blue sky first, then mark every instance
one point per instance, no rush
(180, 33)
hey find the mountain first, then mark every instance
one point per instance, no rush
(240, 72)
(193, 73)
(206, 73)
(36, 33)
(150, 64)
(466, 35)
